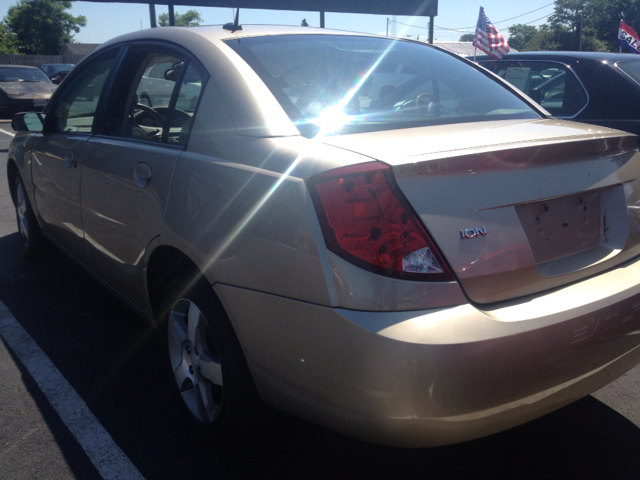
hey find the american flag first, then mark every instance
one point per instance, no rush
(489, 39)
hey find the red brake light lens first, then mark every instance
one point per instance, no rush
(366, 220)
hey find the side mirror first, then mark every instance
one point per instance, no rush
(28, 122)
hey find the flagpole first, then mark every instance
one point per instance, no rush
(475, 47)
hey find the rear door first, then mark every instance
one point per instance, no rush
(128, 166)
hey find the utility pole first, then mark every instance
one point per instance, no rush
(580, 19)
(431, 30)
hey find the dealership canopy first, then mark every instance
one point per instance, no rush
(420, 8)
(416, 8)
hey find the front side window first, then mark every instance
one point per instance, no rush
(553, 85)
(334, 85)
(75, 108)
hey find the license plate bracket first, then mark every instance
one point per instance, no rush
(562, 226)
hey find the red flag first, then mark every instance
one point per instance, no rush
(627, 37)
(489, 39)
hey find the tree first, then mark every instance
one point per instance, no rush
(42, 27)
(7, 42)
(190, 18)
(304, 23)
(467, 37)
(599, 20)
(520, 35)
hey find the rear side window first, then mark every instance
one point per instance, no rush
(630, 68)
(156, 96)
(553, 85)
(336, 85)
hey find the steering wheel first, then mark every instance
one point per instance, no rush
(147, 116)
(178, 117)
(423, 102)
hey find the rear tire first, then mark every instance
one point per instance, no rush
(206, 367)
(33, 242)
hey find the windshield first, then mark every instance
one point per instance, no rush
(19, 74)
(334, 85)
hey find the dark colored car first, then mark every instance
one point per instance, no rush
(23, 88)
(56, 71)
(591, 87)
(58, 77)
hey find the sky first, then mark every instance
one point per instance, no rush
(455, 17)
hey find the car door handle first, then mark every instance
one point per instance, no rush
(142, 174)
(69, 161)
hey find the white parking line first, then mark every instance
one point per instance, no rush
(7, 132)
(105, 455)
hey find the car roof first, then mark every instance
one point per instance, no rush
(216, 33)
(600, 56)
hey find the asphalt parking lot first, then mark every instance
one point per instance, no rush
(108, 358)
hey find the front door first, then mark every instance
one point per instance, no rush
(57, 155)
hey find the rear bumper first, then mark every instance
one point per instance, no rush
(434, 377)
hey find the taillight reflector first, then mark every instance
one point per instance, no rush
(366, 220)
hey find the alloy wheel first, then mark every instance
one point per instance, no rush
(22, 213)
(194, 361)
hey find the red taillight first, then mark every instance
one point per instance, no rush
(365, 220)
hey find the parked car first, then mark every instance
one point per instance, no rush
(591, 87)
(23, 88)
(56, 71)
(434, 264)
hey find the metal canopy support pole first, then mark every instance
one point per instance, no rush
(152, 15)
(431, 30)
(321, 19)
(172, 16)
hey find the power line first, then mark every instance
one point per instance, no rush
(518, 16)
(473, 26)
(533, 21)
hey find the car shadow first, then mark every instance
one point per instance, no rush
(110, 356)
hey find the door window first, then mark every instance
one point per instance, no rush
(156, 99)
(75, 107)
(551, 84)
(189, 92)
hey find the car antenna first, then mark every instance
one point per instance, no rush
(235, 25)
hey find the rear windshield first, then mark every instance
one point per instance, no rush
(59, 67)
(18, 74)
(332, 85)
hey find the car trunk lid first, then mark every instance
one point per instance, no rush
(517, 207)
